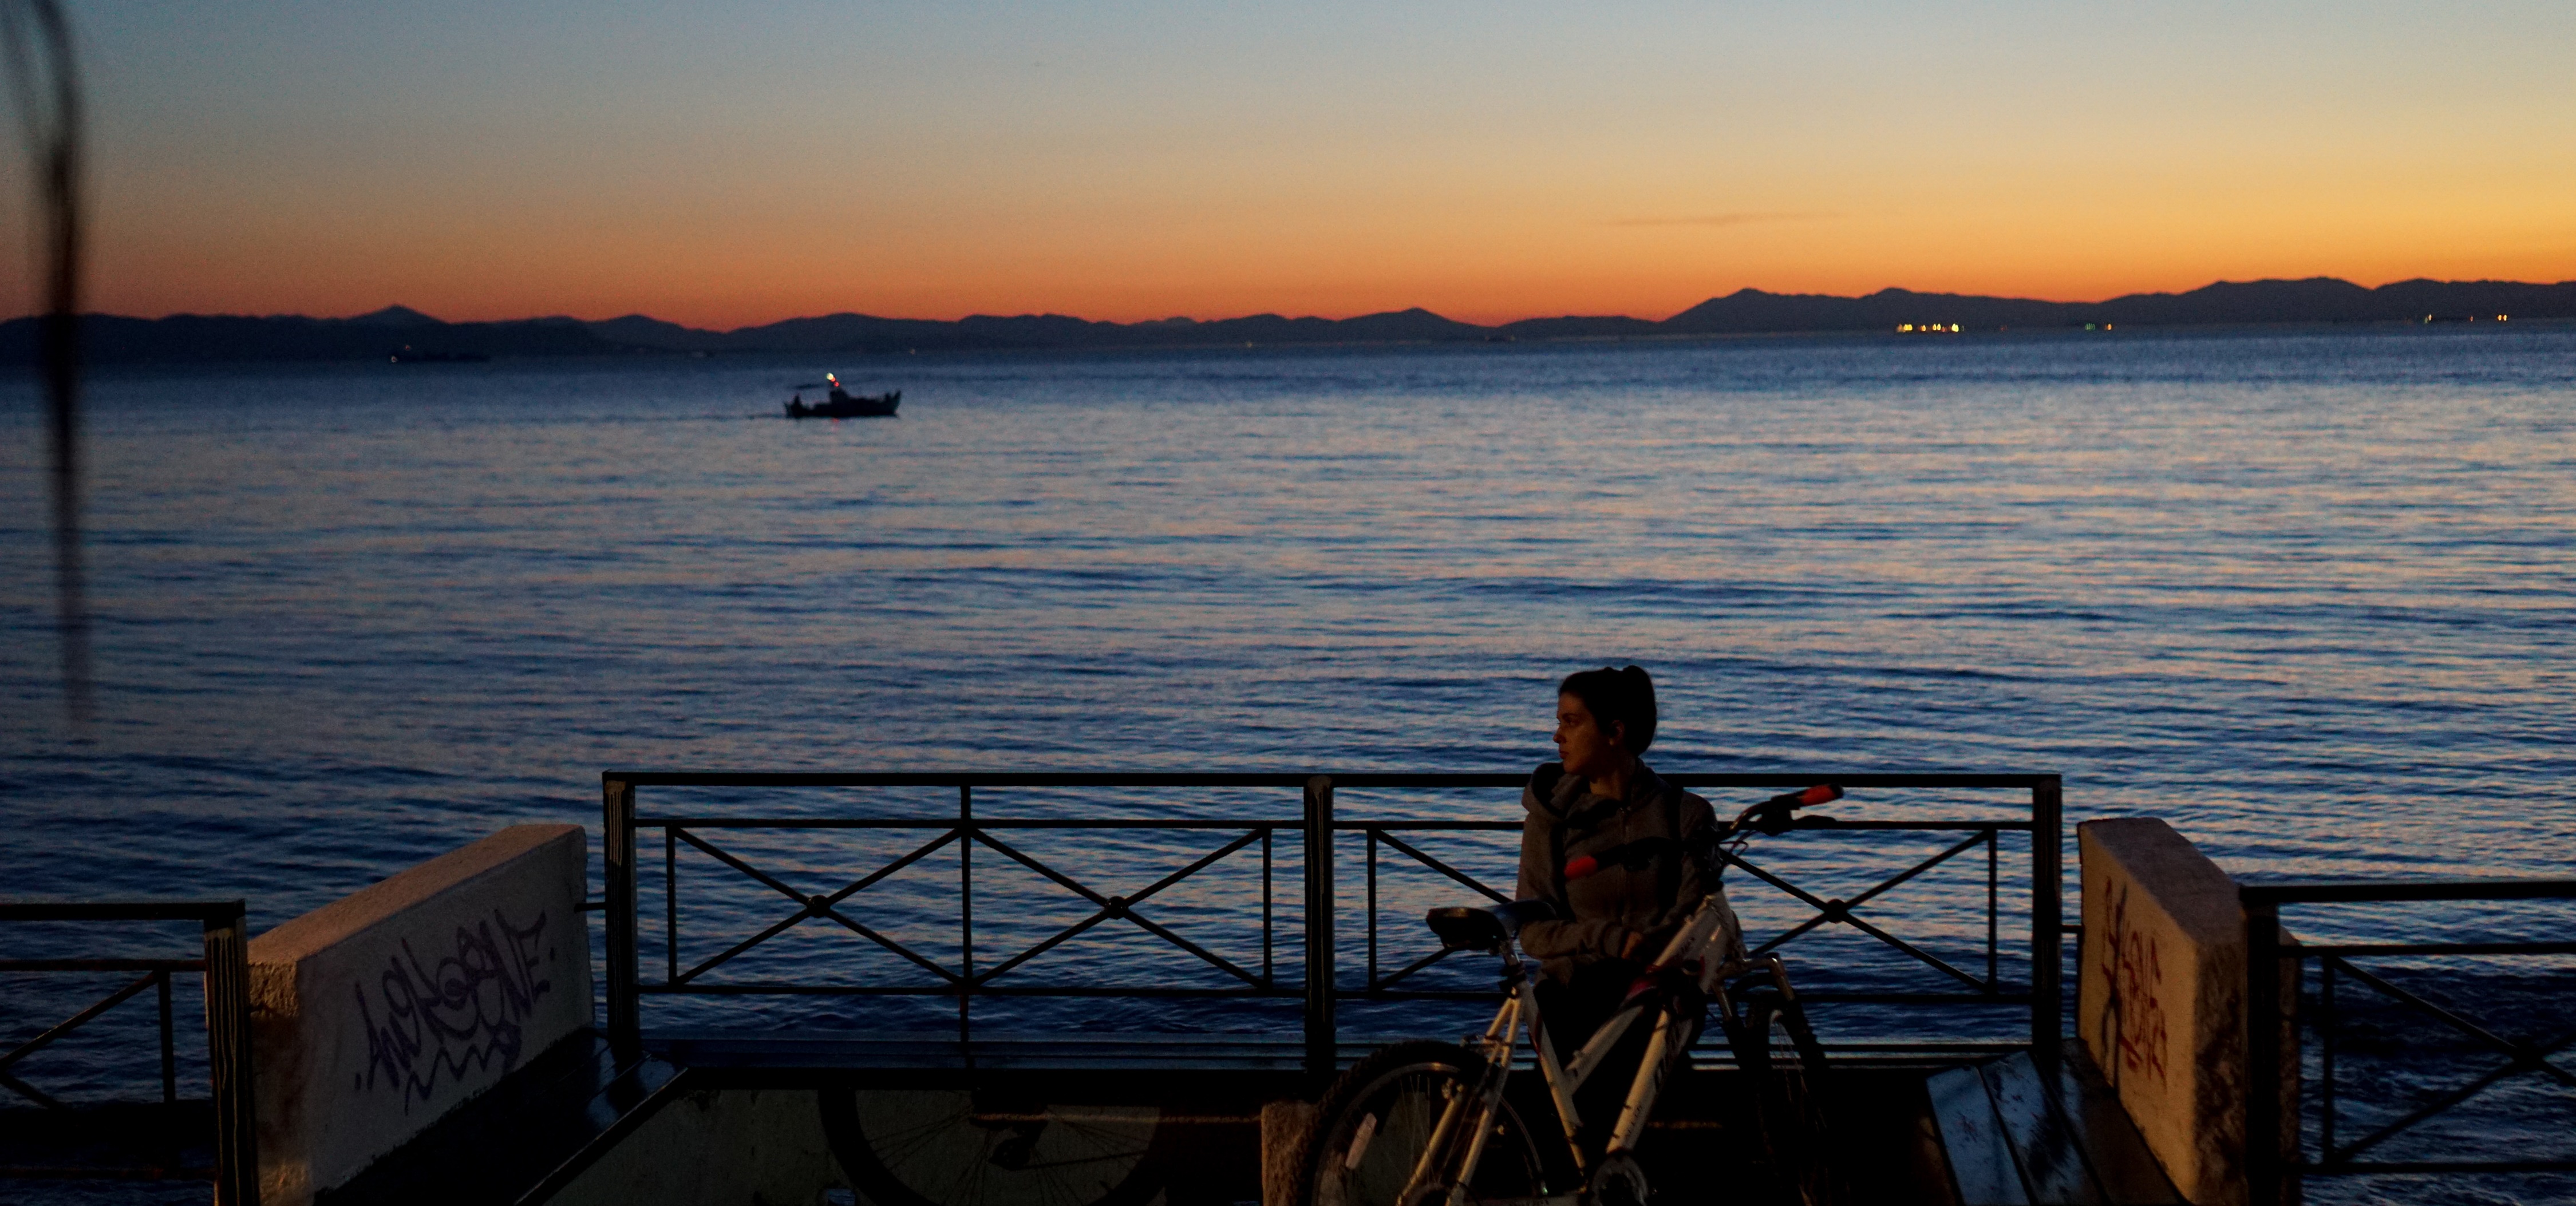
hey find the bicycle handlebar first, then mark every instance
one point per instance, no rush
(1771, 817)
(1822, 793)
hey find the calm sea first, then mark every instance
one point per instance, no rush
(2311, 596)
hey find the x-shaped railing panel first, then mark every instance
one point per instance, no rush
(1840, 911)
(816, 906)
(1377, 835)
(1108, 907)
(1121, 907)
(2520, 1057)
(1827, 911)
(9, 1059)
(2274, 1169)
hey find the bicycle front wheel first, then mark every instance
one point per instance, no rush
(1374, 1124)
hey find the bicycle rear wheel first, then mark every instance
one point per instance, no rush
(1780, 1050)
(1373, 1125)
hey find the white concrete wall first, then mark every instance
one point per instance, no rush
(375, 1015)
(2160, 1000)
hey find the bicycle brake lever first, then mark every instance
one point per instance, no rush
(1773, 817)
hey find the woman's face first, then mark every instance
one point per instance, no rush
(1582, 744)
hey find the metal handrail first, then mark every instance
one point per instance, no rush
(2274, 1162)
(1315, 827)
(1990, 990)
(1298, 779)
(228, 1043)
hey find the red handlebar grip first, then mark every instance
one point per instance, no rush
(1822, 793)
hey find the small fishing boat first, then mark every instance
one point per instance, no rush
(842, 404)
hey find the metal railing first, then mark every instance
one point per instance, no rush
(226, 965)
(2272, 1167)
(1315, 829)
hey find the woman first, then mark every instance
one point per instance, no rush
(1646, 837)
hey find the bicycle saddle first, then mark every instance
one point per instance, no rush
(1467, 928)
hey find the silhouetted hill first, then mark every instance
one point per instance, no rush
(186, 337)
(849, 333)
(2226, 303)
(2318, 299)
(110, 339)
(1752, 311)
(636, 330)
(396, 316)
(1577, 326)
(1404, 326)
(867, 333)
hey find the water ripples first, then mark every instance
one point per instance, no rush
(2306, 595)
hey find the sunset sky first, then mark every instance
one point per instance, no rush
(724, 165)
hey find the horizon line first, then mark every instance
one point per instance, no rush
(1196, 321)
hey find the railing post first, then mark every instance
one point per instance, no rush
(169, 1041)
(228, 1056)
(2263, 1170)
(1371, 843)
(2047, 915)
(617, 858)
(1322, 1043)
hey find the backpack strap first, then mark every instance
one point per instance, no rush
(1668, 875)
(1543, 784)
(1664, 852)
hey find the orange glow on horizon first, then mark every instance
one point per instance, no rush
(725, 261)
(149, 285)
(1483, 263)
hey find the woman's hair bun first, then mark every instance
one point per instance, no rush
(1624, 697)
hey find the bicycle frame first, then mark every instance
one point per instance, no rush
(1699, 955)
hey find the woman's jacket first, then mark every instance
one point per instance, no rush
(1648, 878)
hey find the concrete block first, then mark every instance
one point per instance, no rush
(373, 1016)
(1283, 1128)
(2160, 1001)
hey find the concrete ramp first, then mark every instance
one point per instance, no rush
(1130, 1129)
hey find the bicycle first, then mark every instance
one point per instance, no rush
(1425, 1123)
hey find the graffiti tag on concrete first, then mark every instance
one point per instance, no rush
(463, 1012)
(2136, 1017)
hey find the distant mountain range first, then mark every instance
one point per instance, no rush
(401, 333)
